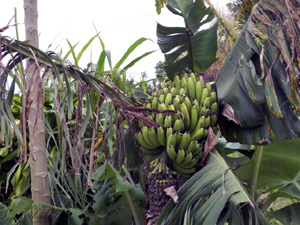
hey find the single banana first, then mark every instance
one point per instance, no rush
(199, 89)
(186, 114)
(168, 99)
(188, 158)
(176, 102)
(214, 107)
(194, 118)
(187, 102)
(208, 86)
(193, 76)
(153, 135)
(204, 111)
(180, 155)
(213, 97)
(198, 151)
(191, 88)
(183, 82)
(162, 106)
(173, 91)
(142, 142)
(148, 105)
(178, 125)
(161, 136)
(159, 119)
(185, 140)
(166, 90)
(161, 97)
(196, 103)
(155, 102)
(204, 95)
(171, 139)
(192, 146)
(200, 123)
(182, 91)
(168, 121)
(213, 120)
(146, 136)
(151, 151)
(178, 137)
(177, 83)
(207, 121)
(169, 132)
(171, 152)
(198, 134)
(182, 171)
(206, 102)
(192, 164)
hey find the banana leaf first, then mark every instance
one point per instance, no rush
(258, 85)
(190, 46)
(213, 195)
(280, 163)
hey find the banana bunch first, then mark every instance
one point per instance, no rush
(181, 134)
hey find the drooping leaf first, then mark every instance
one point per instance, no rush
(258, 78)
(214, 194)
(190, 46)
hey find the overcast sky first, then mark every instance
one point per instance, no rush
(121, 23)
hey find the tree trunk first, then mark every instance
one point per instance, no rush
(38, 152)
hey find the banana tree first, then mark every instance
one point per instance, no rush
(258, 99)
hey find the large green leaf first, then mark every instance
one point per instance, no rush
(257, 87)
(4, 218)
(287, 215)
(189, 46)
(213, 195)
(280, 162)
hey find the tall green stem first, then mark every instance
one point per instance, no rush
(131, 206)
(256, 167)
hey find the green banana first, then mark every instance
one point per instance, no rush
(180, 155)
(208, 86)
(194, 118)
(213, 120)
(171, 139)
(196, 103)
(193, 76)
(192, 164)
(171, 152)
(161, 97)
(198, 134)
(191, 88)
(198, 151)
(151, 151)
(161, 136)
(185, 140)
(155, 102)
(169, 132)
(153, 135)
(187, 102)
(204, 95)
(182, 171)
(199, 89)
(182, 91)
(159, 119)
(183, 83)
(168, 99)
(206, 102)
(148, 105)
(142, 142)
(214, 107)
(176, 102)
(207, 121)
(162, 106)
(173, 91)
(178, 125)
(178, 137)
(177, 83)
(166, 90)
(146, 136)
(168, 121)
(192, 146)
(186, 115)
(213, 96)
(188, 158)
